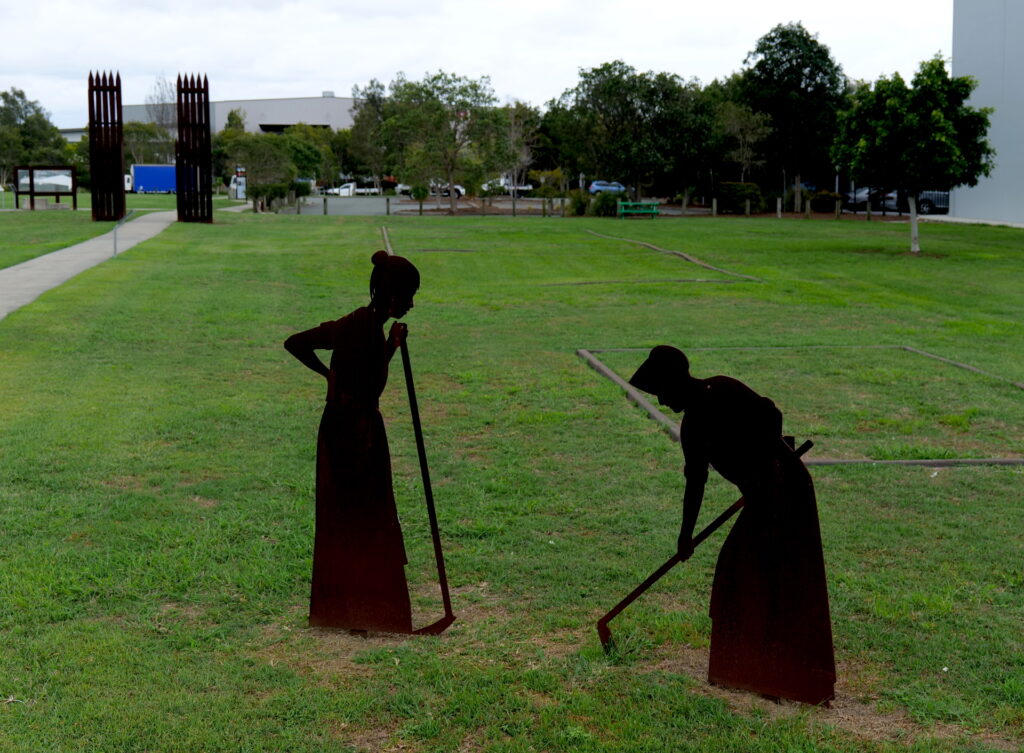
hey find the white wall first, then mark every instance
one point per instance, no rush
(334, 112)
(988, 44)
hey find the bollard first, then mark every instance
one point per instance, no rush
(325, 206)
(778, 208)
(746, 208)
(714, 207)
(563, 206)
(388, 206)
(839, 208)
(513, 202)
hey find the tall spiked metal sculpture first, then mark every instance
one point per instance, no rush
(106, 146)
(193, 153)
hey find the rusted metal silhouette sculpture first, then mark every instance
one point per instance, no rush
(358, 552)
(771, 630)
(106, 147)
(193, 154)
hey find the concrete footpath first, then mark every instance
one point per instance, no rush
(23, 283)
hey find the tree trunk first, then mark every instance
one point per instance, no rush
(915, 241)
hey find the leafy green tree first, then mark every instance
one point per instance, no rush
(269, 168)
(371, 151)
(443, 126)
(746, 130)
(648, 129)
(516, 147)
(26, 135)
(222, 145)
(311, 150)
(235, 121)
(146, 143)
(916, 138)
(793, 79)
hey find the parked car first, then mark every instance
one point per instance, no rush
(857, 200)
(928, 202)
(599, 186)
(404, 189)
(505, 185)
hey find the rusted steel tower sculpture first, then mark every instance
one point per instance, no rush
(193, 154)
(106, 146)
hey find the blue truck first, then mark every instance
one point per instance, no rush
(152, 179)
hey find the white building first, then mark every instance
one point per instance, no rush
(988, 44)
(270, 115)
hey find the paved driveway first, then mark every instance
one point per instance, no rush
(366, 206)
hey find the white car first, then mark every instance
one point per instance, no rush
(504, 185)
(406, 190)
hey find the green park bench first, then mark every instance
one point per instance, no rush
(637, 207)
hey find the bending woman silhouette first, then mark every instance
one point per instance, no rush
(770, 626)
(358, 553)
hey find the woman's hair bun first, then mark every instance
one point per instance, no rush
(379, 257)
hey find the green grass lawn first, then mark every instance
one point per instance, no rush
(25, 235)
(156, 489)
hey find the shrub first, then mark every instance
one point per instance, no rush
(605, 204)
(824, 201)
(579, 202)
(732, 197)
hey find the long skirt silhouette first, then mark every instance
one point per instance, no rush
(771, 629)
(358, 554)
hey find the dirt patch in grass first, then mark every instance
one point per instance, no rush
(365, 740)
(852, 711)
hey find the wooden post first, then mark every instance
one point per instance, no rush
(778, 208)
(714, 207)
(839, 208)
(746, 207)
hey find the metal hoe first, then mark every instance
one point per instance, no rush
(602, 624)
(442, 624)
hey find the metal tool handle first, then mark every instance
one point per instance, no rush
(435, 533)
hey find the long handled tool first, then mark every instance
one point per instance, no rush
(441, 625)
(602, 624)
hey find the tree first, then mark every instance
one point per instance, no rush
(443, 126)
(648, 129)
(746, 130)
(369, 146)
(310, 147)
(161, 104)
(268, 164)
(793, 79)
(520, 137)
(146, 143)
(916, 138)
(26, 135)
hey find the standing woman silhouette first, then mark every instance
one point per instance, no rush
(358, 553)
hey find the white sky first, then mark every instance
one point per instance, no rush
(531, 49)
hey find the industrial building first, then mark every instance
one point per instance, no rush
(987, 45)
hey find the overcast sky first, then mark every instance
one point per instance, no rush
(531, 49)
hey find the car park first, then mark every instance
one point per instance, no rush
(604, 186)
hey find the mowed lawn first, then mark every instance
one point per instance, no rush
(26, 234)
(156, 488)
